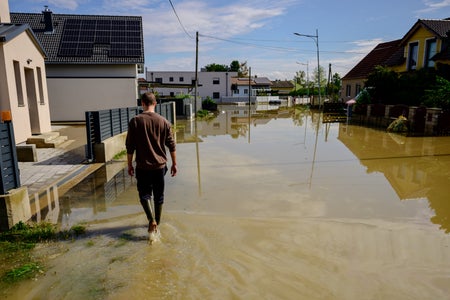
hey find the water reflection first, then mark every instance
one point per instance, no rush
(415, 168)
(288, 207)
(96, 196)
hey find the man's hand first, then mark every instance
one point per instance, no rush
(130, 170)
(173, 170)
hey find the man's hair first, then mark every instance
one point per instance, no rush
(148, 99)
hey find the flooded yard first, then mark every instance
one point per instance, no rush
(268, 204)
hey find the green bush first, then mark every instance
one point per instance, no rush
(439, 96)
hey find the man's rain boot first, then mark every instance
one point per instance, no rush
(158, 210)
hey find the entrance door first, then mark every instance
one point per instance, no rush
(32, 101)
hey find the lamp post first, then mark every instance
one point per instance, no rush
(316, 40)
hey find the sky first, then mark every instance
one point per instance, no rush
(259, 32)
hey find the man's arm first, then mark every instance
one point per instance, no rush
(173, 169)
(130, 164)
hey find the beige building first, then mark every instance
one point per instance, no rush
(23, 85)
(92, 63)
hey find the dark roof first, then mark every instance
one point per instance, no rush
(396, 59)
(440, 28)
(87, 39)
(377, 57)
(9, 31)
(262, 81)
(282, 84)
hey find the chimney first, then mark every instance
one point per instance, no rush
(48, 20)
(4, 12)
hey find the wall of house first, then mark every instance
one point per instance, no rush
(420, 36)
(353, 83)
(31, 115)
(72, 97)
(75, 89)
(223, 88)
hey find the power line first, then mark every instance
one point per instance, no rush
(274, 48)
(179, 21)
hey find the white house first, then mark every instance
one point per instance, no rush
(255, 85)
(23, 85)
(93, 60)
(210, 84)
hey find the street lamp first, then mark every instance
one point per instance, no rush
(316, 40)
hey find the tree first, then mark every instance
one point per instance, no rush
(300, 78)
(383, 85)
(235, 66)
(323, 80)
(216, 68)
(334, 87)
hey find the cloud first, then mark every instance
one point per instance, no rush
(364, 46)
(432, 6)
(66, 4)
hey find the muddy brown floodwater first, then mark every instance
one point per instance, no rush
(268, 204)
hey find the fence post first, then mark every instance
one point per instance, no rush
(89, 144)
(12, 142)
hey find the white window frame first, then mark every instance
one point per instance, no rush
(427, 62)
(409, 61)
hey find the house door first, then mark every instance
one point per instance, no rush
(30, 82)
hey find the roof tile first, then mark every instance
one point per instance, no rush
(84, 47)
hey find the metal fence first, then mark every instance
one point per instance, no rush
(9, 169)
(104, 124)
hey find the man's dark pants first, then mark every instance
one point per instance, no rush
(151, 182)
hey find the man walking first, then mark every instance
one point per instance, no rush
(148, 136)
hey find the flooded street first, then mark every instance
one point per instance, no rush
(267, 204)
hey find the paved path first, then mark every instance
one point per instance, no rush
(56, 165)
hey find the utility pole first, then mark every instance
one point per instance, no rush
(315, 38)
(329, 79)
(249, 85)
(196, 74)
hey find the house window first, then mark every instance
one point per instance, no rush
(158, 80)
(236, 91)
(216, 80)
(413, 54)
(245, 91)
(171, 79)
(430, 51)
(181, 79)
(357, 89)
(40, 85)
(216, 95)
(348, 90)
(19, 88)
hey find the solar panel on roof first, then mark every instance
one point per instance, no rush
(80, 35)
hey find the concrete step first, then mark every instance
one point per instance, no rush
(66, 144)
(47, 140)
